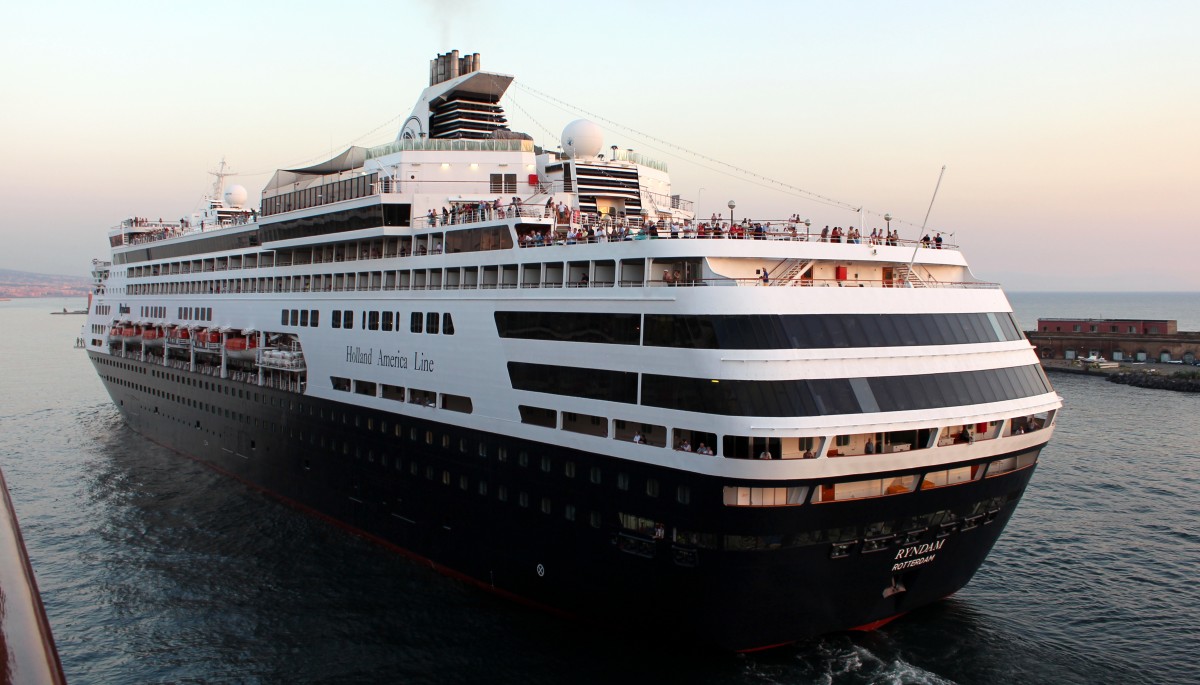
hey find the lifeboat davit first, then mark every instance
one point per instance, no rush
(241, 348)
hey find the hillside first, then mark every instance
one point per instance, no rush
(26, 284)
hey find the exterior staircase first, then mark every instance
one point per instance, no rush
(907, 275)
(790, 275)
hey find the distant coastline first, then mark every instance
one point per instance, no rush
(25, 284)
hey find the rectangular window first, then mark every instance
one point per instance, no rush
(373, 321)
(348, 319)
(761, 497)
(447, 324)
(315, 318)
(414, 322)
(337, 319)
(683, 495)
(295, 317)
(386, 324)
(431, 323)
(393, 392)
(456, 403)
(283, 318)
(303, 317)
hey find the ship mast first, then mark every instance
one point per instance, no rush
(219, 183)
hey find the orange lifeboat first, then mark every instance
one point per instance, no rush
(208, 340)
(153, 337)
(241, 348)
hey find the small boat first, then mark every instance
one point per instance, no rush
(179, 335)
(207, 341)
(241, 348)
(153, 337)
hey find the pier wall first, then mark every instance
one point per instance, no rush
(1180, 346)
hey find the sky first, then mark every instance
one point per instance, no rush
(1070, 131)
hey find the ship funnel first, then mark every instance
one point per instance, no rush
(450, 66)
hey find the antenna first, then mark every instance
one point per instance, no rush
(917, 246)
(219, 184)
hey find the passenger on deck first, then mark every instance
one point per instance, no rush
(766, 454)
(808, 454)
(870, 446)
(637, 438)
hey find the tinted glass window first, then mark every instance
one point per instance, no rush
(597, 384)
(614, 329)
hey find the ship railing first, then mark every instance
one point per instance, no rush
(595, 228)
(485, 213)
(751, 282)
(133, 233)
(826, 283)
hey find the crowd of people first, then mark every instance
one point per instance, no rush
(853, 236)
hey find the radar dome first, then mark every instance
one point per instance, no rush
(582, 138)
(235, 196)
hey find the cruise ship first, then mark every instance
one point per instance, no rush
(539, 371)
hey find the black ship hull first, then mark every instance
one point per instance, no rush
(575, 532)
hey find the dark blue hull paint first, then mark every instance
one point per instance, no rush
(757, 577)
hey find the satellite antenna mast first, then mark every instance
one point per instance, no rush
(219, 184)
(917, 246)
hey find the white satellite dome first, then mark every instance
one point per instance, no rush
(582, 138)
(235, 196)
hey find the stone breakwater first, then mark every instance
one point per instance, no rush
(1178, 382)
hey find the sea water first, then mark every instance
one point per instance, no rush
(154, 568)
